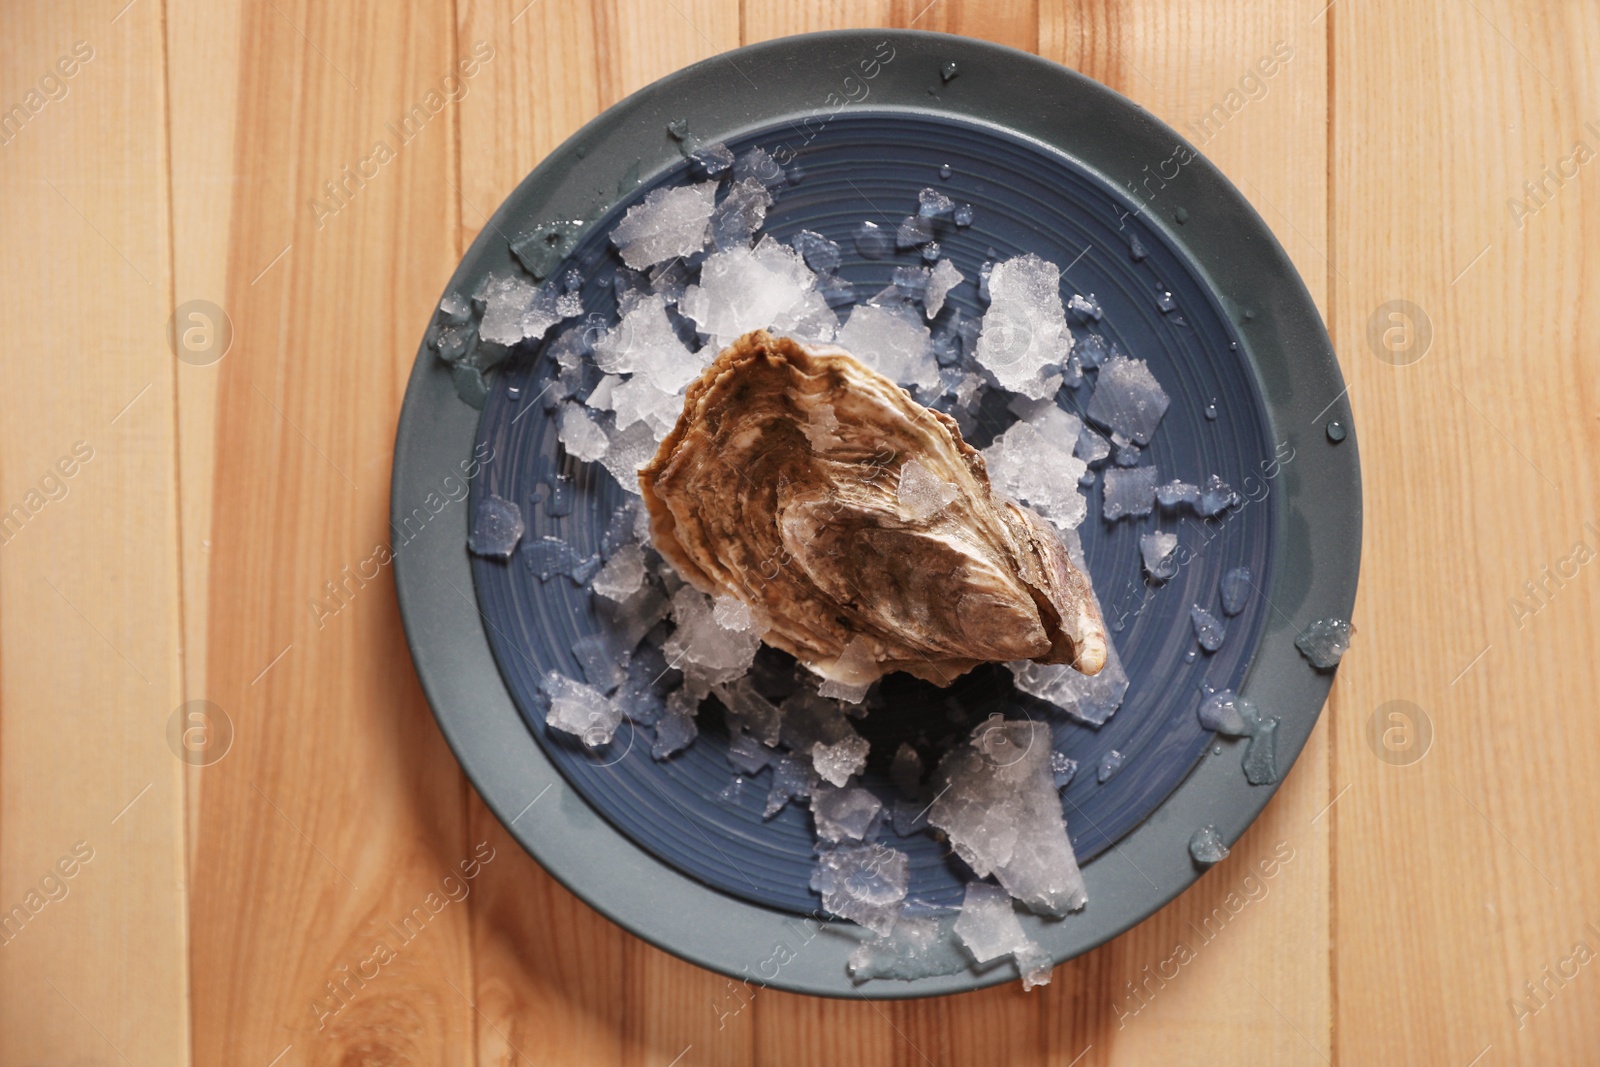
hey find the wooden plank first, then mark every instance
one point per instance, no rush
(92, 951)
(1241, 989)
(1461, 876)
(556, 980)
(202, 89)
(328, 880)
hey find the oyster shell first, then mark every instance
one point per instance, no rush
(781, 485)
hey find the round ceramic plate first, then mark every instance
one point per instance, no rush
(1189, 279)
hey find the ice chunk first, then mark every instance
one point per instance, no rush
(712, 158)
(1206, 846)
(1092, 351)
(705, 652)
(988, 924)
(821, 428)
(674, 730)
(919, 946)
(914, 230)
(744, 289)
(905, 770)
(581, 437)
(622, 575)
(580, 710)
(1091, 447)
(1175, 493)
(1228, 713)
(1110, 764)
(1261, 758)
(863, 883)
(747, 755)
(750, 712)
(1215, 497)
(809, 718)
(668, 222)
(1089, 699)
(873, 241)
(1160, 554)
(921, 494)
(496, 527)
(1208, 629)
(1062, 768)
(758, 165)
(892, 341)
(932, 204)
(835, 763)
(740, 214)
(604, 657)
(1236, 587)
(820, 254)
(600, 396)
(1025, 331)
(1087, 308)
(845, 813)
(1026, 464)
(1324, 642)
(732, 613)
(639, 400)
(859, 668)
(1128, 491)
(1128, 399)
(1034, 964)
(791, 779)
(515, 309)
(631, 448)
(996, 801)
(963, 215)
(945, 276)
(644, 342)
(550, 556)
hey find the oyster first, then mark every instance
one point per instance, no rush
(789, 483)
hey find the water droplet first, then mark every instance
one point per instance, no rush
(944, 171)
(1189, 656)
(1116, 625)
(514, 392)
(949, 70)
(1136, 250)
(1211, 410)
(1181, 216)
(1216, 750)
(1335, 431)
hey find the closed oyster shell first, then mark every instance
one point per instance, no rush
(779, 486)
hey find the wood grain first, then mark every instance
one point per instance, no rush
(1404, 151)
(1461, 877)
(92, 968)
(324, 927)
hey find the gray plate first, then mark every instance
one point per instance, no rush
(1316, 497)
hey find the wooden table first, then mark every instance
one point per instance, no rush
(179, 522)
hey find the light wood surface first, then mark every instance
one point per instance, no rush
(186, 160)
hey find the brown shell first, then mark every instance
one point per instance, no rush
(763, 493)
